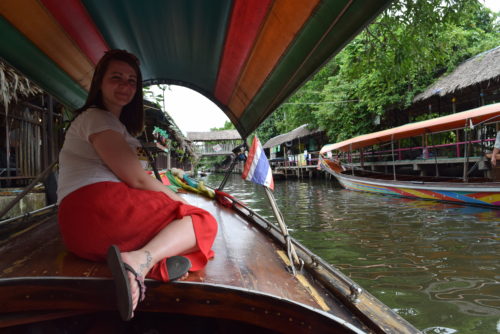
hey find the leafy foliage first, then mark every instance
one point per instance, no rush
(410, 45)
(227, 126)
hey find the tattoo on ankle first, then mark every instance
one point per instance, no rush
(145, 266)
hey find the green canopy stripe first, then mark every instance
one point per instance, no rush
(190, 34)
(19, 52)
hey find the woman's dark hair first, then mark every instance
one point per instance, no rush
(132, 115)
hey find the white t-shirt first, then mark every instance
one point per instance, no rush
(79, 163)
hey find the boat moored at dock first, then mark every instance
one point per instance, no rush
(459, 178)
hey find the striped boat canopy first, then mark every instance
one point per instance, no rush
(459, 120)
(247, 56)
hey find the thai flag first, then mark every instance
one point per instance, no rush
(257, 167)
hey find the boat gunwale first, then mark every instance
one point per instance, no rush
(239, 296)
(337, 283)
(451, 186)
(341, 177)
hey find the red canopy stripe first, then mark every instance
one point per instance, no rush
(74, 18)
(246, 21)
(280, 28)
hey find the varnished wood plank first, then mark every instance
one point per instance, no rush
(254, 253)
(14, 319)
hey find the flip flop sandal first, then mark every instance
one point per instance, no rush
(122, 285)
(177, 266)
(140, 282)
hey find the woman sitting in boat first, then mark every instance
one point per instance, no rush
(109, 207)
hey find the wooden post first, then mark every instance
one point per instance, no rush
(361, 158)
(286, 162)
(425, 150)
(7, 145)
(299, 165)
(350, 159)
(436, 168)
(45, 139)
(393, 158)
(50, 130)
(466, 155)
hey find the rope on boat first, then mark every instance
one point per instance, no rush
(290, 249)
(224, 199)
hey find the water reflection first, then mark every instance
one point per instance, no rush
(435, 264)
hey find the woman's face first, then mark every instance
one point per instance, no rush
(118, 86)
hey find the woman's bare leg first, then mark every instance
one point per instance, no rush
(176, 238)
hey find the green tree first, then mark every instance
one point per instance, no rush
(269, 128)
(227, 126)
(410, 45)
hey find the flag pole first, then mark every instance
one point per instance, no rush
(292, 254)
(258, 170)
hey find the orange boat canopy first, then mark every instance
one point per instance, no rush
(455, 121)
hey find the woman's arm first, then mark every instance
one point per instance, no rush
(118, 156)
(494, 156)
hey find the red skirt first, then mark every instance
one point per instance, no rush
(94, 217)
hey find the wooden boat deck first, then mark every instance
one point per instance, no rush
(248, 273)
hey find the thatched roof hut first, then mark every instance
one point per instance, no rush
(14, 86)
(482, 68)
(222, 135)
(474, 83)
(300, 132)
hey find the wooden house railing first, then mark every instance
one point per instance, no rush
(29, 144)
(206, 148)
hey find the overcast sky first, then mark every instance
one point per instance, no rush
(191, 111)
(494, 5)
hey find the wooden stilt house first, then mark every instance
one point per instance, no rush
(295, 152)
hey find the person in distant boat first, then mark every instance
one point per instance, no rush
(109, 207)
(496, 150)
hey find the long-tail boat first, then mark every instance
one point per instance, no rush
(476, 183)
(247, 57)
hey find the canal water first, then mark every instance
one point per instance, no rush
(436, 265)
